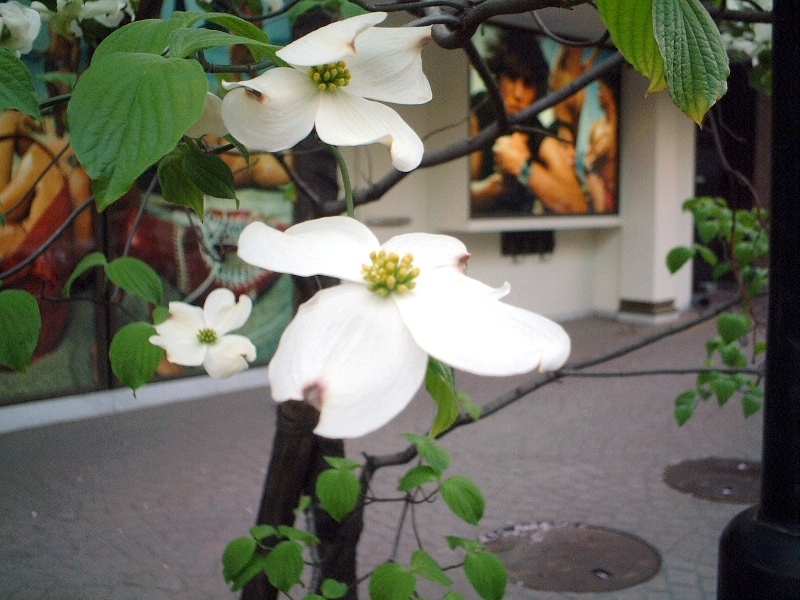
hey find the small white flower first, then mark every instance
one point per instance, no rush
(210, 122)
(69, 13)
(359, 351)
(194, 336)
(19, 26)
(337, 73)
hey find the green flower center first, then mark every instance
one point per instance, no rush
(331, 76)
(389, 273)
(207, 336)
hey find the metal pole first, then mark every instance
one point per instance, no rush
(759, 554)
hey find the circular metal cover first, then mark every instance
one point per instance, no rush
(573, 557)
(719, 479)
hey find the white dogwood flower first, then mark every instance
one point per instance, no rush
(358, 352)
(19, 26)
(338, 77)
(194, 336)
(69, 13)
(210, 121)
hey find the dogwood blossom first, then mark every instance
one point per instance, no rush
(19, 26)
(194, 336)
(69, 13)
(336, 75)
(358, 352)
(210, 121)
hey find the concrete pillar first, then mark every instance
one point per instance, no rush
(657, 153)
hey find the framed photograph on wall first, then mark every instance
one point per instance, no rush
(564, 163)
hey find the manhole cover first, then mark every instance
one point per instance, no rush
(719, 479)
(572, 557)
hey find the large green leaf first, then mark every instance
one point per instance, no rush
(338, 492)
(391, 581)
(20, 323)
(464, 498)
(127, 111)
(134, 359)
(236, 556)
(184, 42)
(209, 173)
(136, 277)
(424, 564)
(441, 385)
(176, 185)
(487, 574)
(150, 36)
(284, 565)
(95, 259)
(630, 23)
(695, 59)
(16, 85)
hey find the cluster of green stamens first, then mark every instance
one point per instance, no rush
(389, 273)
(331, 76)
(207, 336)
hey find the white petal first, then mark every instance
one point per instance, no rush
(229, 355)
(334, 246)
(278, 116)
(430, 250)
(210, 122)
(468, 329)
(330, 43)
(223, 313)
(388, 65)
(344, 119)
(178, 335)
(348, 352)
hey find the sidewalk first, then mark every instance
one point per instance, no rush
(140, 505)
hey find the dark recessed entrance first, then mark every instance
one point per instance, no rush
(719, 479)
(573, 557)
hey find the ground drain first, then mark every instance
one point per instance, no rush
(719, 479)
(573, 557)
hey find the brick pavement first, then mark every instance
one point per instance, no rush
(140, 505)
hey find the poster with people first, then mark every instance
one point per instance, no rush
(563, 161)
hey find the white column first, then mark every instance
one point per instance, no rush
(657, 152)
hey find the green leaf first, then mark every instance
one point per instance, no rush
(471, 408)
(425, 566)
(261, 532)
(341, 463)
(441, 385)
(467, 544)
(695, 59)
(20, 324)
(720, 270)
(744, 252)
(464, 498)
(724, 387)
(160, 314)
(150, 36)
(127, 111)
(708, 254)
(708, 231)
(239, 26)
(677, 257)
(209, 173)
(284, 565)
(136, 277)
(713, 344)
(630, 23)
(752, 401)
(759, 347)
(487, 574)
(176, 185)
(134, 359)
(453, 595)
(391, 581)
(252, 569)
(417, 476)
(687, 398)
(333, 589)
(297, 535)
(185, 42)
(16, 85)
(683, 413)
(338, 492)
(733, 325)
(236, 556)
(732, 355)
(89, 261)
(436, 456)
